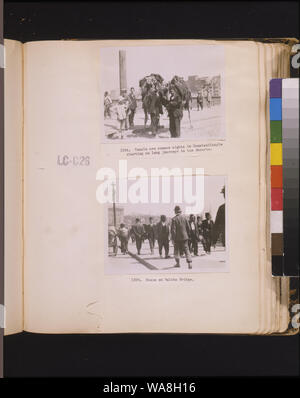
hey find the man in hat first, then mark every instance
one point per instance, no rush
(153, 106)
(199, 100)
(138, 232)
(163, 236)
(180, 233)
(175, 112)
(151, 234)
(194, 235)
(132, 107)
(207, 231)
(220, 222)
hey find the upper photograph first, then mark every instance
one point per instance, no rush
(162, 92)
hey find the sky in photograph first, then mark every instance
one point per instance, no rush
(184, 61)
(213, 198)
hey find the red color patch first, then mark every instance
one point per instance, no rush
(276, 199)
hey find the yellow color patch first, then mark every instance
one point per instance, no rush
(276, 154)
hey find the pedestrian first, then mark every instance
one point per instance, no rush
(198, 223)
(199, 228)
(209, 98)
(144, 106)
(132, 107)
(194, 235)
(199, 101)
(207, 232)
(150, 228)
(131, 233)
(163, 236)
(219, 227)
(112, 238)
(180, 232)
(107, 105)
(126, 104)
(153, 106)
(139, 233)
(175, 112)
(122, 114)
(205, 94)
(123, 235)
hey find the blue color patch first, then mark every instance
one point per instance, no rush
(275, 109)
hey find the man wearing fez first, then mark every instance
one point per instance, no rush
(175, 112)
(138, 232)
(163, 236)
(180, 232)
(219, 227)
(207, 231)
(151, 234)
(132, 107)
(153, 105)
(194, 235)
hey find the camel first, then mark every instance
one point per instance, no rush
(154, 84)
(151, 86)
(184, 92)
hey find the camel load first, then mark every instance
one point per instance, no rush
(182, 89)
(154, 81)
(152, 104)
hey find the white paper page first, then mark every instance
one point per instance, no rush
(67, 288)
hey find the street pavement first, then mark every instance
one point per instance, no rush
(204, 124)
(127, 264)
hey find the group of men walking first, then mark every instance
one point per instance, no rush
(185, 234)
(140, 232)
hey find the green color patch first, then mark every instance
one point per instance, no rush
(276, 131)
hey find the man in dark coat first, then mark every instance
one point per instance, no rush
(180, 232)
(220, 222)
(199, 100)
(151, 234)
(207, 232)
(123, 235)
(131, 107)
(175, 112)
(163, 236)
(152, 102)
(194, 235)
(138, 232)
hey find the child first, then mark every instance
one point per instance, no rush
(121, 109)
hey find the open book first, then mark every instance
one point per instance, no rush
(137, 189)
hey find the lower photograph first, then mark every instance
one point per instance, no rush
(169, 237)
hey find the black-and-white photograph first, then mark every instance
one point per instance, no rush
(164, 237)
(162, 92)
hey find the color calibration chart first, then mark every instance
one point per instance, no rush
(284, 150)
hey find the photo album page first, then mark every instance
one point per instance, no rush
(142, 187)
